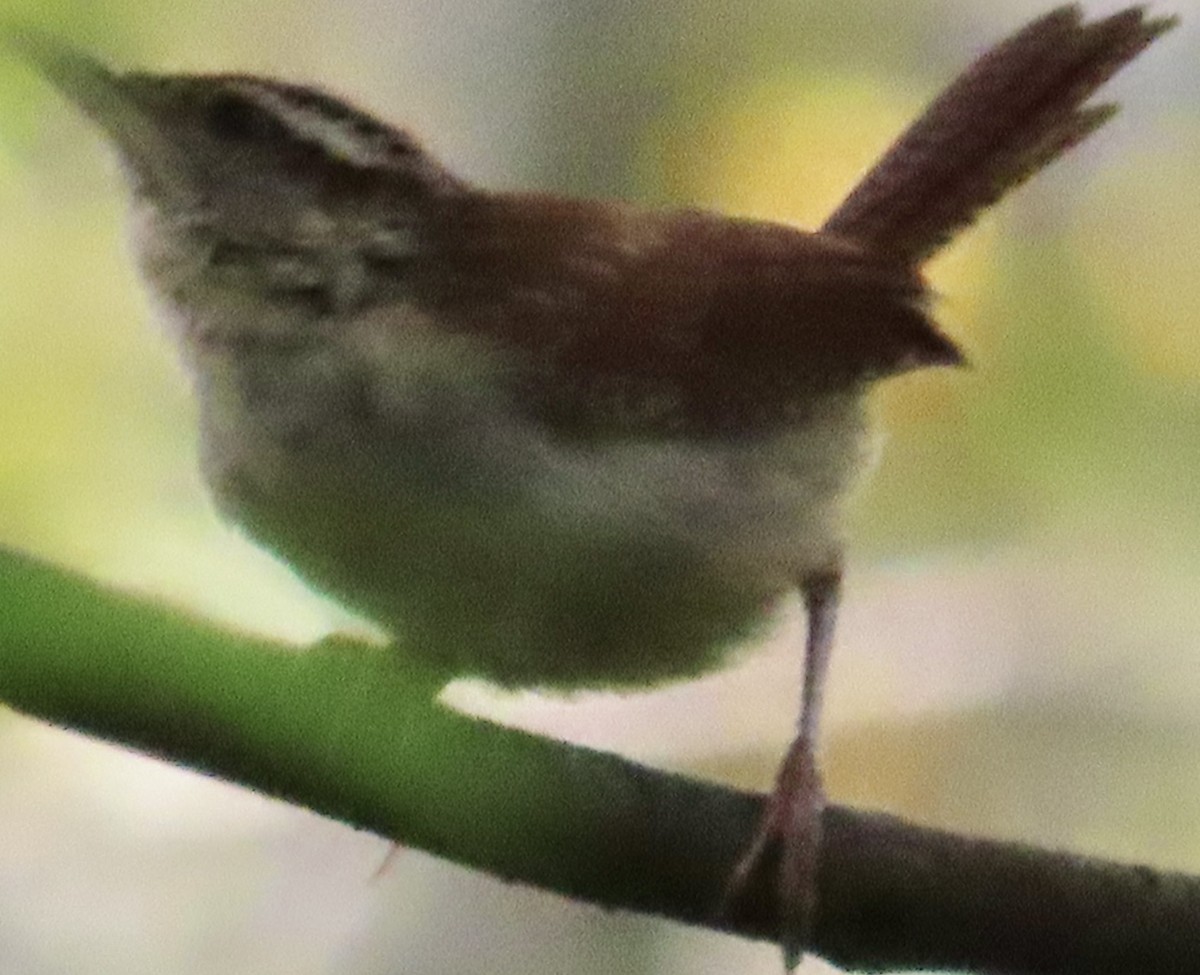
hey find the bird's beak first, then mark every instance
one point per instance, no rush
(111, 101)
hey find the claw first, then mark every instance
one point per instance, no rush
(791, 824)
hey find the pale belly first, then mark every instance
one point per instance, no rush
(549, 566)
(488, 548)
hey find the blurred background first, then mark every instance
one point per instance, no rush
(1019, 653)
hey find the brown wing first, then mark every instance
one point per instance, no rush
(634, 322)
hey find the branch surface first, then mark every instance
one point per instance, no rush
(355, 732)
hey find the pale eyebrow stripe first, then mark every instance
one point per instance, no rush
(341, 136)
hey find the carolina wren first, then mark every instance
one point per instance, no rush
(557, 442)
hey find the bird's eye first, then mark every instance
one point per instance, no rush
(234, 119)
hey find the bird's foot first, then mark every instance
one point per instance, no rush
(788, 841)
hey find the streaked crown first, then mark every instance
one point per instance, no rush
(256, 157)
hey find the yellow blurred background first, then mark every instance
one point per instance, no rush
(1019, 653)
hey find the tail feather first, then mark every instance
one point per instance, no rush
(1016, 109)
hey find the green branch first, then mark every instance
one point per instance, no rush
(355, 732)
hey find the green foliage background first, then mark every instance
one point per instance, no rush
(1021, 648)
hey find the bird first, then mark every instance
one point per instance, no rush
(552, 442)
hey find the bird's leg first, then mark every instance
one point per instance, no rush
(792, 819)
